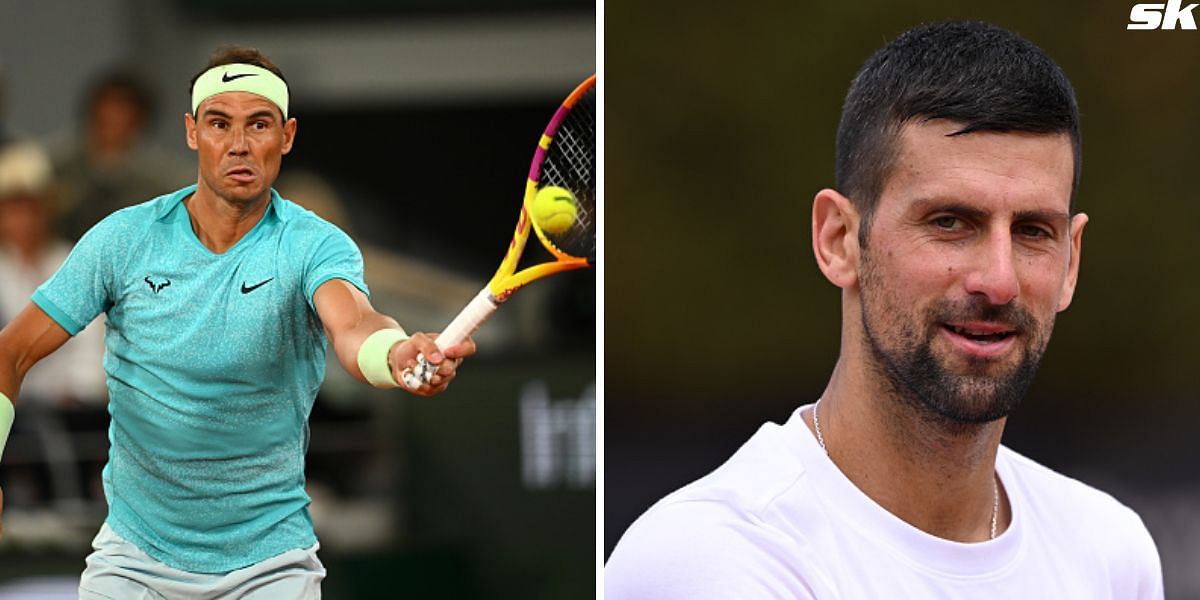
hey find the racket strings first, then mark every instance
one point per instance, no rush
(571, 163)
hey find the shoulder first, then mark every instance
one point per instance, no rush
(302, 220)
(118, 235)
(718, 537)
(764, 471)
(699, 549)
(1046, 489)
(134, 219)
(304, 226)
(1086, 520)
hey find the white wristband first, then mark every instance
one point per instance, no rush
(373, 357)
(6, 420)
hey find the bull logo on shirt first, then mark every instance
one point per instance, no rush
(157, 287)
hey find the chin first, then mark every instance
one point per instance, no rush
(952, 389)
(241, 195)
(974, 367)
(983, 391)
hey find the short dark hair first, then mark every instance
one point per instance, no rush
(228, 55)
(985, 77)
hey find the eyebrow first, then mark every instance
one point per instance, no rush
(1046, 216)
(974, 212)
(927, 205)
(212, 112)
(258, 114)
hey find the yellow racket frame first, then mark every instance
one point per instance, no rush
(507, 279)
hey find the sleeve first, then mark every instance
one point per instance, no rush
(82, 287)
(701, 551)
(1140, 572)
(336, 257)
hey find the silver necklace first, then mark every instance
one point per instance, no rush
(995, 486)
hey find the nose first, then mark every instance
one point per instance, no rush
(994, 274)
(237, 143)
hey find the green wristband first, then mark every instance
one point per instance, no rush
(6, 420)
(373, 357)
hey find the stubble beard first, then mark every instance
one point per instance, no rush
(921, 380)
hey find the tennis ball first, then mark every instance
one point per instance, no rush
(554, 209)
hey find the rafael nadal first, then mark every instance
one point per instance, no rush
(219, 298)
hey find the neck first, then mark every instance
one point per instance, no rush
(220, 223)
(938, 477)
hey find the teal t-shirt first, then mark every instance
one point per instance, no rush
(213, 363)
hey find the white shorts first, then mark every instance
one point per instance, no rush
(118, 570)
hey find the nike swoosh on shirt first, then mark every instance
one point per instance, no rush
(227, 77)
(247, 290)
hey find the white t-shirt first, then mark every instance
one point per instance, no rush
(780, 520)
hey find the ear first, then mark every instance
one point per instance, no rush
(1068, 287)
(189, 125)
(289, 135)
(835, 237)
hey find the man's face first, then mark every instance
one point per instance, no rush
(116, 121)
(970, 254)
(240, 139)
(22, 221)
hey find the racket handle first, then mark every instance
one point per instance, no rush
(467, 322)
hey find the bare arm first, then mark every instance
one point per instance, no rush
(30, 337)
(350, 319)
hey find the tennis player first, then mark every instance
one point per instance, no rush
(953, 238)
(219, 298)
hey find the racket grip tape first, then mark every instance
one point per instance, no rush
(467, 322)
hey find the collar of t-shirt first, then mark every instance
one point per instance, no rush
(852, 508)
(175, 211)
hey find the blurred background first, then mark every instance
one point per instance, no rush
(417, 120)
(720, 126)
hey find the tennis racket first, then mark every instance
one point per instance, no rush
(566, 158)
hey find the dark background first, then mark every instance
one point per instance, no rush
(720, 129)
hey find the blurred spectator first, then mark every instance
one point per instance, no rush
(108, 165)
(64, 394)
(29, 254)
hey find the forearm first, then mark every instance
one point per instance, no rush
(15, 361)
(9, 381)
(375, 349)
(10, 372)
(30, 337)
(13, 367)
(22, 343)
(349, 342)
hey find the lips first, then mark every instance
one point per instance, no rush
(981, 339)
(241, 174)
